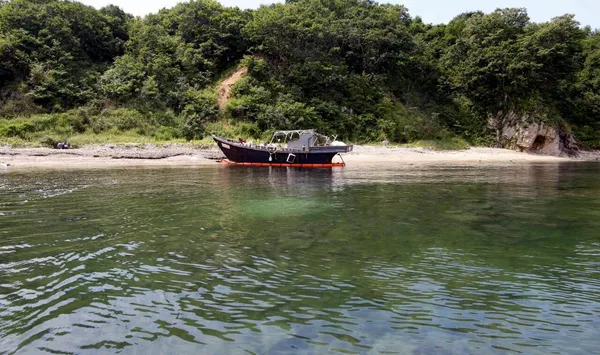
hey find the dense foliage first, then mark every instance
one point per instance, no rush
(363, 70)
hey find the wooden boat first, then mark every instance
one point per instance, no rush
(302, 148)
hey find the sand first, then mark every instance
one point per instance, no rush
(224, 91)
(112, 156)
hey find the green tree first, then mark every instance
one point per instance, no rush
(364, 70)
(586, 104)
(57, 49)
(502, 62)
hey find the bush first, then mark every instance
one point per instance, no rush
(446, 143)
(194, 127)
(257, 67)
(124, 80)
(23, 107)
(248, 100)
(23, 128)
(588, 136)
(164, 133)
(165, 118)
(19, 130)
(99, 124)
(201, 103)
(49, 141)
(200, 108)
(234, 129)
(125, 119)
(74, 120)
(121, 119)
(286, 114)
(401, 124)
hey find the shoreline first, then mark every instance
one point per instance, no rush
(173, 155)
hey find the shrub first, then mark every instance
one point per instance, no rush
(23, 128)
(121, 119)
(99, 124)
(74, 120)
(248, 100)
(446, 143)
(286, 114)
(124, 80)
(588, 136)
(202, 103)
(200, 108)
(164, 133)
(20, 129)
(49, 141)
(125, 119)
(235, 129)
(401, 124)
(193, 127)
(165, 118)
(23, 107)
(257, 67)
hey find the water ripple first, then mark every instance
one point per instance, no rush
(169, 261)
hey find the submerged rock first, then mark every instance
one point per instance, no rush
(526, 134)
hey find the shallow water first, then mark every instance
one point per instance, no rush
(267, 261)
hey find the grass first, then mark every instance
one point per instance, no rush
(248, 131)
(119, 138)
(42, 139)
(122, 126)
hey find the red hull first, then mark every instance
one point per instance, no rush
(328, 165)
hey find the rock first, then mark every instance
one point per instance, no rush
(530, 134)
(62, 145)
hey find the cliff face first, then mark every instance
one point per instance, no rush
(526, 134)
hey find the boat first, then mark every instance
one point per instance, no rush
(297, 148)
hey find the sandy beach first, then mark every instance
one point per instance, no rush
(110, 156)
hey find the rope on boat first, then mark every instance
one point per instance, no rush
(343, 162)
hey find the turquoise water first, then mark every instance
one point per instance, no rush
(218, 259)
